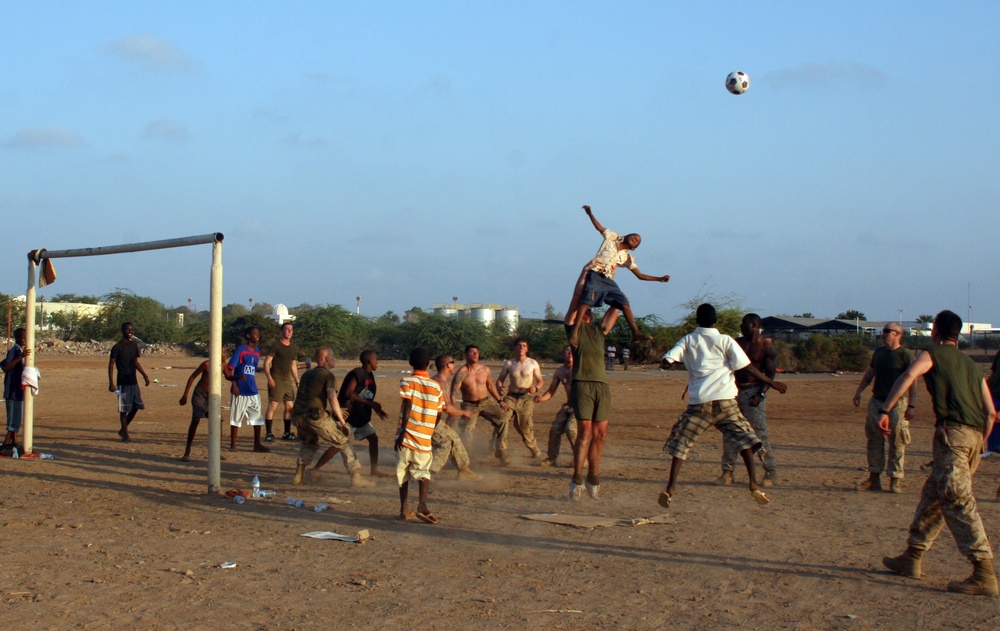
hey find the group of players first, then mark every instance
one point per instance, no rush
(728, 381)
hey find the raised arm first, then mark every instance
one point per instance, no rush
(593, 219)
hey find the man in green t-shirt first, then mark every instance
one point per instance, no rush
(888, 363)
(964, 415)
(590, 395)
(281, 365)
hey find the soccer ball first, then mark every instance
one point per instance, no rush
(738, 82)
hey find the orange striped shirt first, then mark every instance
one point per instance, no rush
(426, 402)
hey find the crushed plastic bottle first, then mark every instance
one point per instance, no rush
(255, 485)
(319, 508)
(296, 503)
(47, 456)
(14, 454)
(239, 499)
(265, 493)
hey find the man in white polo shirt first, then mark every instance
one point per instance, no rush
(711, 359)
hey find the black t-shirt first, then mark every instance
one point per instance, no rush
(125, 353)
(358, 414)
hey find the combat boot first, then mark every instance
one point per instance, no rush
(906, 564)
(895, 485)
(770, 478)
(358, 481)
(873, 483)
(725, 479)
(983, 581)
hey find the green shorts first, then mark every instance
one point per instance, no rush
(591, 400)
(283, 390)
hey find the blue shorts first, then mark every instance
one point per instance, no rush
(15, 411)
(598, 289)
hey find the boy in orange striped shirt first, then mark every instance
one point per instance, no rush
(422, 403)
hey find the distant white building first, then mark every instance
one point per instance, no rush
(280, 314)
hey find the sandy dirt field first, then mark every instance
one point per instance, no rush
(114, 535)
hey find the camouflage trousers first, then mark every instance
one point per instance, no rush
(489, 409)
(446, 444)
(897, 441)
(757, 417)
(947, 494)
(565, 423)
(324, 429)
(521, 416)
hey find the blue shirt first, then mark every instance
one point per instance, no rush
(244, 364)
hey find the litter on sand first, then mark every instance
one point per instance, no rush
(361, 537)
(586, 521)
(228, 565)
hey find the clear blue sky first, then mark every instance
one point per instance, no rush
(408, 152)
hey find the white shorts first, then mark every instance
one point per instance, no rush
(245, 408)
(413, 465)
(363, 432)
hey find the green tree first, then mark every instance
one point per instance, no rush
(925, 318)
(151, 321)
(851, 314)
(345, 332)
(16, 311)
(80, 298)
(807, 314)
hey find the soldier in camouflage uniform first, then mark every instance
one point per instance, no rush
(965, 413)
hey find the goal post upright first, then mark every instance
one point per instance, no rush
(35, 257)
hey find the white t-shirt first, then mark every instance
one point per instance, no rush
(711, 358)
(609, 258)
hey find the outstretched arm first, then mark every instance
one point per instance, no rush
(593, 219)
(760, 376)
(641, 276)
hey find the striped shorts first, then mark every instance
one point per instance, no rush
(724, 415)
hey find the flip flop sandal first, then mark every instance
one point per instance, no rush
(427, 518)
(759, 497)
(664, 499)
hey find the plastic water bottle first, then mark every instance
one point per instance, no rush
(267, 493)
(239, 499)
(296, 503)
(256, 485)
(46, 456)
(14, 454)
(319, 508)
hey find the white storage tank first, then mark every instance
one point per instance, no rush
(483, 314)
(509, 317)
(446, 311)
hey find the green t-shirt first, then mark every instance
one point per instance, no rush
(588, 354)
(283, 357)
(956, 387)
(312, 390)
(888, 365)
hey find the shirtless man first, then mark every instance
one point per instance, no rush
(565, 422)
(752, 399)
(446, 441)
(199, 403)
(480, 398)
(525, 380)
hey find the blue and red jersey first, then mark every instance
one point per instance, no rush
(244, 364)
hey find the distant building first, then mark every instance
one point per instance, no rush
(280, 314)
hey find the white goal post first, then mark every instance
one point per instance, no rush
(35, 257)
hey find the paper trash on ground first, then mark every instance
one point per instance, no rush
(586, 521)
(361, 537)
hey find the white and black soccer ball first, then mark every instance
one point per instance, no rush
(738, 82)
